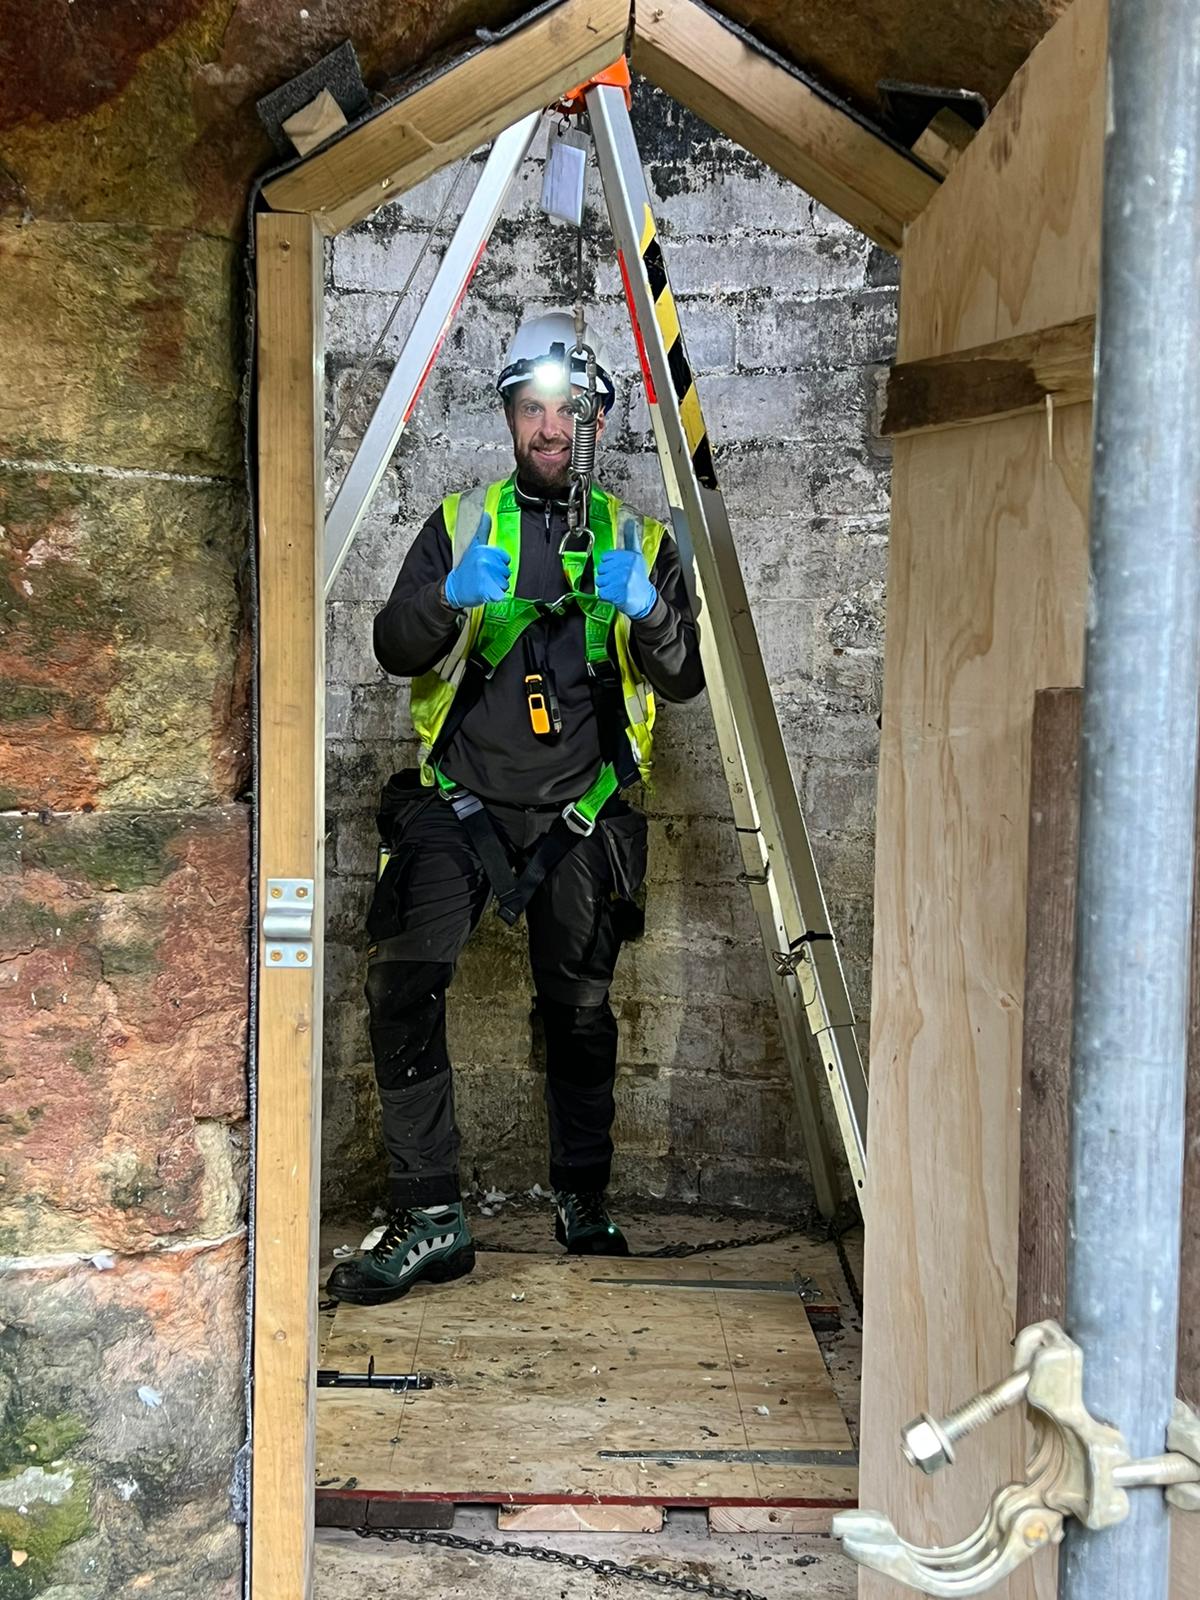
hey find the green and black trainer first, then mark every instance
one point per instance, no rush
(431, 1246)
(583, 1226)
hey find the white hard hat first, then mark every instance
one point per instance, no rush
(547, 339)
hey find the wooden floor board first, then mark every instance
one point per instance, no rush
(540, 1369)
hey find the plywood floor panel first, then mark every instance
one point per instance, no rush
(539, 1368)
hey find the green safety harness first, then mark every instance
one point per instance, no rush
(505, 624)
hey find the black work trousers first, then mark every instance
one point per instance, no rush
(427, 902)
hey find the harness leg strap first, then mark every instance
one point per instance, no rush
(478, 826)
(513, 894)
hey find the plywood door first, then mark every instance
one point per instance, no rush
(986, 600)
(544, 1364)
(986, 597)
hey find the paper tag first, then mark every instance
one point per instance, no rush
(564, 175)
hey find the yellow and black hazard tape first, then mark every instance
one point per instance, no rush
(681, 373)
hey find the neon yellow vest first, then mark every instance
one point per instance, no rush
(613, 525)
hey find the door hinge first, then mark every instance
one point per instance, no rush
(287, 923)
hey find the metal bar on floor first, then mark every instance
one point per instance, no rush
(424, 340)
(779, 869)
(1141, 686)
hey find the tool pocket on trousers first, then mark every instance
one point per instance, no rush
(404, 797)
(624, 832)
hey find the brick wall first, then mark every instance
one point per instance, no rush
(788, 314)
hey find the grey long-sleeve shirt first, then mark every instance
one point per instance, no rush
(496, 753)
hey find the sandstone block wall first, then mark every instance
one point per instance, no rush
(788, 315)
(128, 143)
(124, 832)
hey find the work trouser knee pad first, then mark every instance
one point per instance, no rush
(407, 1004)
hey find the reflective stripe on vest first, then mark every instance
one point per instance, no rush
(614, 526)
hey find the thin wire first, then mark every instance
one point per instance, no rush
(580, 322)
(372, 359)
(579, 317)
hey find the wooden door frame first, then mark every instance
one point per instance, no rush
(291, 830)
(841, 162)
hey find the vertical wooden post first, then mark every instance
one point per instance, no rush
(291, 779)
(1046, 1042)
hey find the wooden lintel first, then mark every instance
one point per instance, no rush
(690, 52)
(992, 380)
(464, 107)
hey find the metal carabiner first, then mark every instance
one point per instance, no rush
(583, 532)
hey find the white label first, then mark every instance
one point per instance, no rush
(564, 176)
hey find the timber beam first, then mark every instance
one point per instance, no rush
(680, 45)
(462, 108)
(991, 380)
(749, 96)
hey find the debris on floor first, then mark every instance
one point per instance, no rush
(764, 1561)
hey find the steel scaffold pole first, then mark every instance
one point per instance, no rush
(1142, 681)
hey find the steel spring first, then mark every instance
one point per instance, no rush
(583, 447)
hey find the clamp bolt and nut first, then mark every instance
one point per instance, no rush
(1080, 1467)
(929, 1443)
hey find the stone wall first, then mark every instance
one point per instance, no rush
(124, 847)
(788, 314)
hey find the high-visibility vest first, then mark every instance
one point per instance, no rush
(491, 630)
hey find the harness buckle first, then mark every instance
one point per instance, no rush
(462, 802)
(576, 821)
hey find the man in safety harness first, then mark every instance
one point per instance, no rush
(538, 627)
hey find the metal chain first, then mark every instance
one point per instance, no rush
(707, 1246)
(562, 1558)
(673, 1252)
(371, 361)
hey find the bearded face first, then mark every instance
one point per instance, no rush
(542, 426)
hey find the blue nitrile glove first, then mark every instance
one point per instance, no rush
(480, 576)
(623, 579)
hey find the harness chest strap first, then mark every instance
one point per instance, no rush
(495, 630)
(625, 708)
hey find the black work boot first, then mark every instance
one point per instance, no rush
(584, 1227)
(431, 1246)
